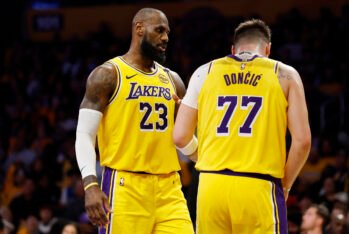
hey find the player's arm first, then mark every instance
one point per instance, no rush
(184, 129)
(99, 88)
(180, 89)
(298, 125)
(187, 116)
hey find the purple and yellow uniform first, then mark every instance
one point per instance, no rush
(242, 121)
(139, 157)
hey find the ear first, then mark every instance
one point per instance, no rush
(233, 50)
(268, 49)
(139, 28)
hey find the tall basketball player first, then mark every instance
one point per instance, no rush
(128, 105)
(242, 105)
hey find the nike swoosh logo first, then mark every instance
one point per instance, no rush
(129, 77)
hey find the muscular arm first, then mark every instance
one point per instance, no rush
(298, 124)
(99, 88)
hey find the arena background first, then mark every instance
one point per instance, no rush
(49, 47)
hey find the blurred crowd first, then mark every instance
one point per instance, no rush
(42, 85)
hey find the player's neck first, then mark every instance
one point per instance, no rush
(248, 48)
(139, 61)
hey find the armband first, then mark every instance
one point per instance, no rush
(90, 185)
(86, 132)
(190, 148)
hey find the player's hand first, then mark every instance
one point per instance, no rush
(97, 206)
(176, 99)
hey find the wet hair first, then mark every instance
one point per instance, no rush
(252, 30)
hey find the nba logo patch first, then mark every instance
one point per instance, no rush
(243, 65)
(122, 181)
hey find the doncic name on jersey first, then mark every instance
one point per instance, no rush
(242, 78)
(138, 90)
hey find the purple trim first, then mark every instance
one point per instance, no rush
(281, 205)
(277, 181)
(209, 68)
(171, 79)
(241, 60)
(119, 82)
(275, 212)
(111, 199)
(108, 180)
(276, 67)
(143, 72)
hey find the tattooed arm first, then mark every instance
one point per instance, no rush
(298, 124)
(99, 88)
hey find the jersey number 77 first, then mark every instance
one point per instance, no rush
(232, 102)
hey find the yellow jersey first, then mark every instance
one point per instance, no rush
(242, 117)
(135, 133)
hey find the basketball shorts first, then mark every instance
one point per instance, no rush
(240, 203)
(145, 203)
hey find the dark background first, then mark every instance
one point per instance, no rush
(42, 84)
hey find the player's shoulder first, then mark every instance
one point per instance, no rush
(204, 68)
(162, 67)
(218, 61)
(174, 76)
(288, 73)
(102, 79)
(103, 70)
(285, 68)
(166, 69)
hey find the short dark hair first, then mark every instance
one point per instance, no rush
(323, 212)
(252, 29)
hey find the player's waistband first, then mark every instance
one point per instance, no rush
(140, 172)
(246, 174)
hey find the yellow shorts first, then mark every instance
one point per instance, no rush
(240, 203)
(145, 203)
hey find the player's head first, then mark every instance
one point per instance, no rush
(150, 31)
(315, 218)
(253, 35)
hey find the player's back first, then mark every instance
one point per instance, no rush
(242, 117)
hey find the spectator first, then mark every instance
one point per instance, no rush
(315, 219)
(71, 228)
(338, 218)
(47, 219)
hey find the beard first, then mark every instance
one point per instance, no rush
(150, 51)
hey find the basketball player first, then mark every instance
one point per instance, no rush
(128, 104)
(242, 105)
